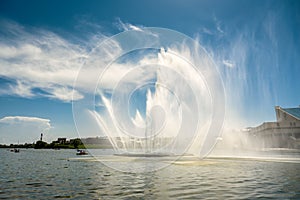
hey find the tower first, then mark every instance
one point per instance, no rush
(41, 137)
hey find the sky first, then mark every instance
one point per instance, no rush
(254, 44)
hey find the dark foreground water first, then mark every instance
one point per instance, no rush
(49, 174)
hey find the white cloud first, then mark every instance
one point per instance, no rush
(23, 129)
(39, 59)
(228, 63)
(207, 31)
(64, 94)
(130, 27)
(218, 25)
(25, 119)
(126, 26)
(21, 89)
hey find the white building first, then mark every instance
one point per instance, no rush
(284, 133)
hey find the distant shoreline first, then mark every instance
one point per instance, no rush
(63, 143)
(57, 146)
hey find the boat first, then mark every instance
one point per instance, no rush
(81, 152)
(15, 150)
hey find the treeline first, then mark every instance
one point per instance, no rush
(63, 143)
(72, 144)
(17, 146)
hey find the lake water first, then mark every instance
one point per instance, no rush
(49, 174)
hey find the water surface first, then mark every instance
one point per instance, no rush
(48, 174)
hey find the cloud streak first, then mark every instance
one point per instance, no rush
(228, 63)
(24, 119)
(126, 26)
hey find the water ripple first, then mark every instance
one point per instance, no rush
(32, 177)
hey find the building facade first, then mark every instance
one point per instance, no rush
(284, 133)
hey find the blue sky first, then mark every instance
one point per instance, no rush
(255, 45)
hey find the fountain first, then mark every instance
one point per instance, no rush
(152, 93)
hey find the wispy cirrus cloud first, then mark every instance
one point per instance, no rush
(218, 25)
(127, 26)
(228, 63)
(36, 58)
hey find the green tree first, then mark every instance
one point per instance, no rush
(40, 145)
(76, 142)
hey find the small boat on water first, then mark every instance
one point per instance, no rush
(81, 152)
(15, 150)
